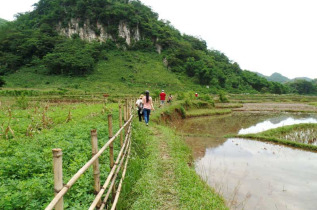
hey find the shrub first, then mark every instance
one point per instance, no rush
(144, 45)
(222, 97)
(208, 99)
(183, 112)
(187, 103)
(72, 57)
(180, 96)
(22, 102)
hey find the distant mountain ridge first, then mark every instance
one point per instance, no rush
(277, 77)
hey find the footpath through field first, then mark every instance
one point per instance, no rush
(160, 174)
(167, 180)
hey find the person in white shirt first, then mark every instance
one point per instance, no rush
(139, 106)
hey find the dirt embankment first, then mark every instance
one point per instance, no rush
(277, 107)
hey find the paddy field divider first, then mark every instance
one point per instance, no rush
(109, 186)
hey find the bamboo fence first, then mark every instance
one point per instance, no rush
(116, 166)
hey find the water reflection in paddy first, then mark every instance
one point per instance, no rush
(252, 174)
(276, 123)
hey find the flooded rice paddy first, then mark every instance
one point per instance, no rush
(276, 122)
(252, 174)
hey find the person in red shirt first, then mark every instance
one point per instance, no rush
(196, 95)
(162, 97)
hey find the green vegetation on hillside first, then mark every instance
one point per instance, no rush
(2, 21)
(300, 85)
(118, 72)
(32, 41)
(303, 86)
(276, 77)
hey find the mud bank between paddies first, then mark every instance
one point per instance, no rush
(161, 174)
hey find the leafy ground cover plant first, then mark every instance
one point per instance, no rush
(26, 161)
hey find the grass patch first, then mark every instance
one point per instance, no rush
(206, 112)
(140, 186)
(298, 136)
(313, 103)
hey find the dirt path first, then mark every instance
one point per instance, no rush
(290, 107)
(167, 181)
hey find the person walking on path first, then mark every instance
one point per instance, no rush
(162, 97)
(147, 106)
(139, 106)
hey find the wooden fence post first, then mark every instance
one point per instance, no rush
(111, 151)
(120, 124)
(58, 175)
(131, 107)
(110, 136)
(127, 109)
(96, 171)
(125, 117)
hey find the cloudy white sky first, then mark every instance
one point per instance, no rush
(266, 36)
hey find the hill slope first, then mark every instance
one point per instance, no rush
(276, 77)
(69, 38)
(122, 72)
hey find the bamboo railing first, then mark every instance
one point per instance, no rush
(115, 166)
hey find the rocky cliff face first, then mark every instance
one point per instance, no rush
(129, 34)
(86, 32)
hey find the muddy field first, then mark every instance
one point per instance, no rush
(277, 107)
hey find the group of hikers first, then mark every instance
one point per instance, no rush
(144, 105)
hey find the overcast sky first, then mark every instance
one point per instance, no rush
(266, 36)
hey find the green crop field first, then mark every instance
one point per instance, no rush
(26, 151)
